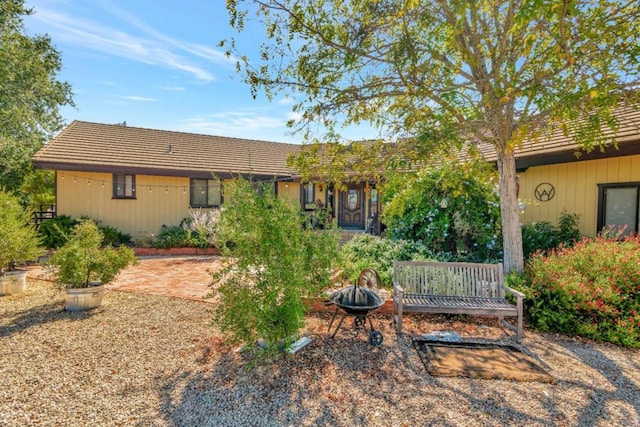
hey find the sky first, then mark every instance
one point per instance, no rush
(156, 64)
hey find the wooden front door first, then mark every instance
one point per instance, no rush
(351, 209)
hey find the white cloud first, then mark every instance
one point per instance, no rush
(139, 98)
(157, 50)
(250, 124)
(192, 48)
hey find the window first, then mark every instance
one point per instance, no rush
(124, 186)
(205, 193)
(309, 196)
(618, 206)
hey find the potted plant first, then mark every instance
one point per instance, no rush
(19, 243)
(83, 266)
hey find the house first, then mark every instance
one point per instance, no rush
(139, 179)
(601, 186)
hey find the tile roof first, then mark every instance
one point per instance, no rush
(104, 147)
(556, 143)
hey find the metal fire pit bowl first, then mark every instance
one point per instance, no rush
(357, 302)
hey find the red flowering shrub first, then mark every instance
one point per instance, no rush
(591, 289)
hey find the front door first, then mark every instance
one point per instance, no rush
(351, 209)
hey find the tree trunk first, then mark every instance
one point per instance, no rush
(509, 210)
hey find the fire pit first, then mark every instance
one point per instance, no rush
(357, 301)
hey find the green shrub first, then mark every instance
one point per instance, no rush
(19, 241)
(196, 231)
(451, 207)
(591, 289)
(114, 237)
(84, 259)
(170, 236)
(53, 231)
(543, 236)
(274, 263)
(367, 251)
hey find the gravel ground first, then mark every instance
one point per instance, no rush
(157, 361)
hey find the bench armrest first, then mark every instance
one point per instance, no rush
(514, 292)
(397, 287)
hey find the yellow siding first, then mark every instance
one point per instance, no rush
(289, 190)
(576, 186)
(159, 200)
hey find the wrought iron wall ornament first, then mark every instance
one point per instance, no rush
(544, 192)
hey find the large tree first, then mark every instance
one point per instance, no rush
(483, 72)
(30, 94)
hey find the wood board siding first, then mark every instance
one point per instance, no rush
(83, 194)
(576, 186)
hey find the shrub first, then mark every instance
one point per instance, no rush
(367, 251)
(543, 235)
(275, 263)
(83, 259)
(114, 237)
(451, 207)
(202, 226)
(19, 241)
(171, 236)
(53, 231)
(591, 289)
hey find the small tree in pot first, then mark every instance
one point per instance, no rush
(18, 243)
(83, 266)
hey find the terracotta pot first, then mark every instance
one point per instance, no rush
(13, 282)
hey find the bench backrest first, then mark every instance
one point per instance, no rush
(449, 278)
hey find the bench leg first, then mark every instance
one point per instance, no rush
(396, 313)
(519, 305)
(399, 319)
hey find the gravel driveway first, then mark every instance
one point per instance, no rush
(152, 360)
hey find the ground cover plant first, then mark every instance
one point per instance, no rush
(591, 289)
(274, 261)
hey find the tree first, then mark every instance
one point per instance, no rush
(445, 72)
(274, 263)
(30, 94)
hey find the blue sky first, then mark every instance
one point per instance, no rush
(156, 64)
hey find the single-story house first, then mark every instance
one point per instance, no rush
(139, 179)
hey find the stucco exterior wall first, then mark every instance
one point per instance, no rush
(576, 188)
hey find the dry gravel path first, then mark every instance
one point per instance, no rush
(157, 361)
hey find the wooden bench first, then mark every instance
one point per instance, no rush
(454, 288)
